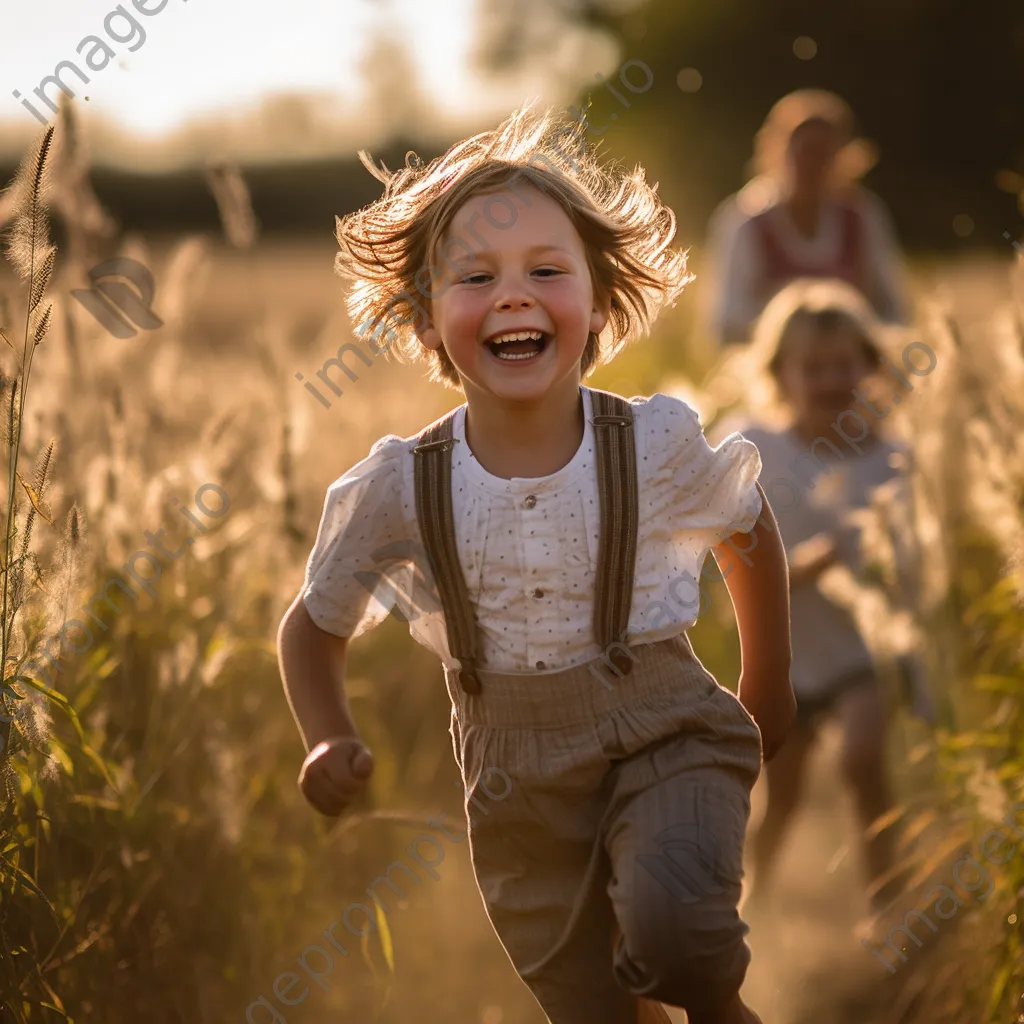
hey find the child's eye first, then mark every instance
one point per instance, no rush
(475, 279)
(548, 271)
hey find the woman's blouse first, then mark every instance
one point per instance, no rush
(756, 256)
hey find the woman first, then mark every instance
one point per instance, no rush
(803, 215)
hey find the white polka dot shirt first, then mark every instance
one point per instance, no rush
(528, 547)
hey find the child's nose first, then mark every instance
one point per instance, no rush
(512, 301)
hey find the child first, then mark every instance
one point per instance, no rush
(819, 343)
(551, 513)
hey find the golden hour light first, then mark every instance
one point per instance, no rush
(512, 512)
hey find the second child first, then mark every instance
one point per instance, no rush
(819, 343)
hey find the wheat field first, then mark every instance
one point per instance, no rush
(157, 862)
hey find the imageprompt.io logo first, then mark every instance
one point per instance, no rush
(424, 598)
(690, 865)
(116, 306)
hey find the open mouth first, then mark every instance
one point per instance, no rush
(518, 346)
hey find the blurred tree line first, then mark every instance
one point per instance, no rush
(937, 85)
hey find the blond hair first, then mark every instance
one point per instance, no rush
(386, 247)
(854, 158)
(823, 304)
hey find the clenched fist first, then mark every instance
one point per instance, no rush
(335, 773)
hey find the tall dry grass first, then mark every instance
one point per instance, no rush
(156, 860)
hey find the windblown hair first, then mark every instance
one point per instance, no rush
(390, 249)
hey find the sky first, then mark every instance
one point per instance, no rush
(198, 55)
(216, 59)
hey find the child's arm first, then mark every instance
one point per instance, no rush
(754, 568)
(312, 662)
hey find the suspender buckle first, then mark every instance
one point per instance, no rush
(469, 683)
(612, 421)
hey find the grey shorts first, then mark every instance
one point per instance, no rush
(811, 709)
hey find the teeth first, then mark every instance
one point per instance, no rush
(515, 355)
(518, 336)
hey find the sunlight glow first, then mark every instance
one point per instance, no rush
(172, 81)
(197, 57)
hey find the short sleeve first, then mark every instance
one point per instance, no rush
(704, 490)
(739, 270)
(363, 535)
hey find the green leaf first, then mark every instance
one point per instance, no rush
(56, 1009)
(61, 701)
(998, 684)
(58, 1006)
(998, 988)
(60, 755)
(27, 881)
(55, 695)
(101, 766)
(364, 948)
(386, 944)
(104, 803)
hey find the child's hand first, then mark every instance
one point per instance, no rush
(335, 773)
(772, 704)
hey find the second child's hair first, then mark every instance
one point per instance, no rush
(822, 304)
(392, 249)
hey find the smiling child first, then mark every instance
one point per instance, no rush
(552, 514)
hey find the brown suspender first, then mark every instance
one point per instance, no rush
(617, 487)
(620, 509)
(433, 467)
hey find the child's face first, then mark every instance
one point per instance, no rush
(527, 278)
(820, 372)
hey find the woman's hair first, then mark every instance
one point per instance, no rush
(390, 250)
(854, 158)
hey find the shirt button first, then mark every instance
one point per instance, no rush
(541, 665)
(531, 500)
(538, 593)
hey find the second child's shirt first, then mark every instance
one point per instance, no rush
(813, 493)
